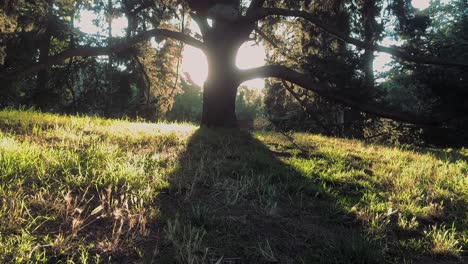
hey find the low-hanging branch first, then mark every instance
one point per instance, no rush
(254, 5)
(261, 13)
(327, 91)
(99, 51)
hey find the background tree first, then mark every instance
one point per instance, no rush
(441, 30)
(122, 84)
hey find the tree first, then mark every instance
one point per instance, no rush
(187, 104)
(225, 25)
(441, 30)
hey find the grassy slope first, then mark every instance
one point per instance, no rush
(88, 190)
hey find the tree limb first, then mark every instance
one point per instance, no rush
(290, 89)
(99, 51)
(202, 23)
(261, 13)
(327, 91)
(254, 5)
(142, 7)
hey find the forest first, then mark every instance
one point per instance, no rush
(346, 144)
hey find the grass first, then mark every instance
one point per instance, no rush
(90, 190)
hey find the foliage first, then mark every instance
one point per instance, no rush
(187, 104)
(435, 89)
(438, 31)
(249, 103)
(141, 82)
(318, 53)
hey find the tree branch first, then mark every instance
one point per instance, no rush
(290, 89)
(99, 51)
(327, 91)
(142, 7)
(262, 13)
(254, 5)
(202, 23)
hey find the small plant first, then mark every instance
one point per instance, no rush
(268, 200)
(266, 251)
(378, 224)
(351, 247)
(414, 245)
(187, 241)
(407, 224)
(200, 214)
(436, 210)
(444, 240)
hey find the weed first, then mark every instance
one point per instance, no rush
(407, 223)
(443, 240)
(200, 214)
(187, 241)
(265, 250)
(351, 247)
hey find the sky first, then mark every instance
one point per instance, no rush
(250, 55)
(383, 59)
(420, 4)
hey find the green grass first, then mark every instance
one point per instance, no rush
(90, 190)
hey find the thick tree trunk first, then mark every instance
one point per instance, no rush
(220, 89)
(219, 98)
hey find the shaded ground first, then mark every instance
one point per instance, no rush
(257, 206)
(256, 209)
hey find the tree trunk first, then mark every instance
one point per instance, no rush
(219, 98)
(220, 89)
(42, 95)
(371, 34)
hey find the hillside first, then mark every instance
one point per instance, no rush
(89, 190)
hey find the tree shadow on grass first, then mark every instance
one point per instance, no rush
(444, 155)
(232, 200)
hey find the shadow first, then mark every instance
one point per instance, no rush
(233, 195)
(444, 155)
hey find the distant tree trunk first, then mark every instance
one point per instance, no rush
(110, 70)
(372, 31)
(42, 95)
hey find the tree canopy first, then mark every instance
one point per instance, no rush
(316, 48)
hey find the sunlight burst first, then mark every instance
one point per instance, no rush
(195, 64)
(421, 4)
(86, 24)
(250, 56)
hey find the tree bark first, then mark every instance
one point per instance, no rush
(220, 89)
(372, 31)
(223, 38)
(42, 95)
(219, 98)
